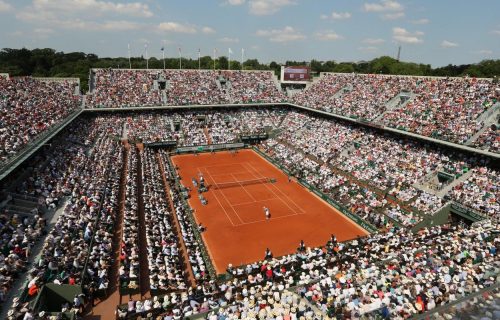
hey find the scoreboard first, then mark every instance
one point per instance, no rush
(295, 74)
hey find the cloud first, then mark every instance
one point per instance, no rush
(484, 52)
(4, 6)
(71, 14)
(94, 7)
(368, 49)
(373, 41)
(497, 32)
(404, 36)
(327, 36)
(46, 18)
(17, 33)
(267, 7)
(207, 30)
(393, 16)
(235, 2)
(421, 21)
(340, 15)
(286, 34)
(120, 25)
(228, 40)
(336, 16)
(176, 27)
(383, 6)
(448, 44)
(43, 31)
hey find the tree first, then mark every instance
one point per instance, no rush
(275, 67)
(222, 63)
(344, 67)
(48, 62)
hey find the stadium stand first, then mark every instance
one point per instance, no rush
(444, 108)
(489, 140)
(447, 109)
(115, 88)
(393, 183)
(30, 107)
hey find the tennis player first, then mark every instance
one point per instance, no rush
(267, 213)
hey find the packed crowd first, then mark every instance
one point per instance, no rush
(446, 109)
(252, 87)
(84, 178)
(443, 108)
(18, 234)
(83, 171)
(228, 126)
(29, 107)
(129, 271)
(489, 140)
(441, 266)
(481, 191)
(354, 95)
(166, 269)
(116, 88)
(197, 128)
(394, 275)
(82, 235)
(194, 87)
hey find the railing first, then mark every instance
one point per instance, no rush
(210, 148)
(194, 225)
(7, 165)
(460, 306)
(467, 212)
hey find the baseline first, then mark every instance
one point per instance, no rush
(225, 211)
(227, 200)
(301, 211)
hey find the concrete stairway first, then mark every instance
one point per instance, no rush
(489, 117)
(276, 82)
(393, 104)
(84, 101)
(455, 182)
(164, 97)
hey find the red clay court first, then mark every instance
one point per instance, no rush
(237, 229)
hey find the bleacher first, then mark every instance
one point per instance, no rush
(372, 180)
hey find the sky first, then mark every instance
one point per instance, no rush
(436, 32)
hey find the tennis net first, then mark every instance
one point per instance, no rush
(231, 184)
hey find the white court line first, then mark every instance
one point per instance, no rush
(241, 185)
(265, 184)
(266, 220)
(225, 174)
(250, 202)
(280, 191)
(208, 172)
(298, 207)
(223, 165)
(227, 215)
